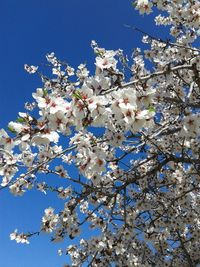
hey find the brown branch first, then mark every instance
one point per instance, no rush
(36, 168)
(161, 40)
(189, 260)
(149, 76)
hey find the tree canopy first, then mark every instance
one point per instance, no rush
(131, 132)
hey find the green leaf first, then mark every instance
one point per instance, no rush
(11, 130)
(51, 188)
(20, 119)
(98, 53)
(77, 95)
(134, 4)
(151, 109)
(45, 92)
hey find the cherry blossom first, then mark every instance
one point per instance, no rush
(131, 134)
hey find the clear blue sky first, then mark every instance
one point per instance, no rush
(29, 30)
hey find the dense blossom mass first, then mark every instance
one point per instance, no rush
(132, 133)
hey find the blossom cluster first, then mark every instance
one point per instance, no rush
(133, 145)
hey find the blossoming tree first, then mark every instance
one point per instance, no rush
(132, 132)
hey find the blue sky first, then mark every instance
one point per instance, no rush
(29, 30)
